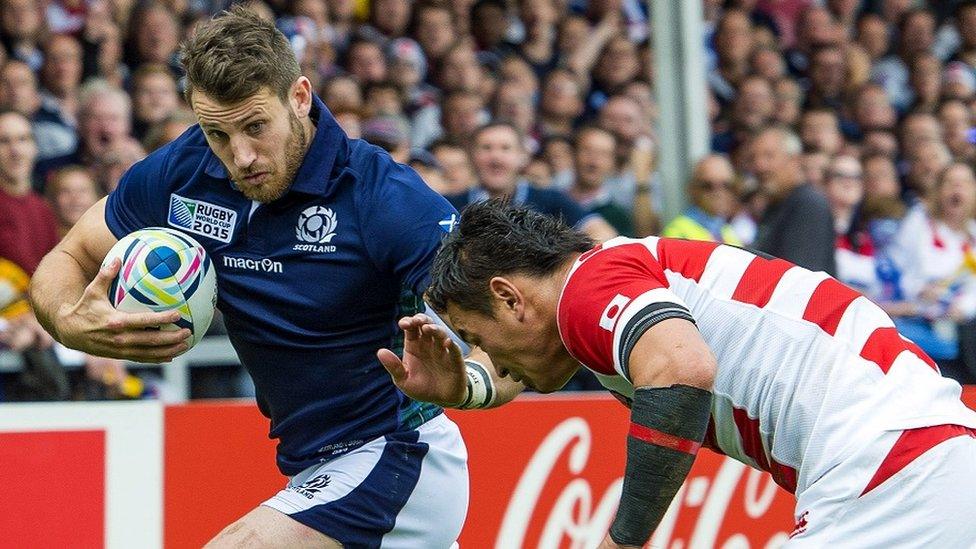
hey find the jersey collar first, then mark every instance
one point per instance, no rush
(314, 174)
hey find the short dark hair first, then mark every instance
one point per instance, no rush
(493, 239)
(498, 124)
(236, 54)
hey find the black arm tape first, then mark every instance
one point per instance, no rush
(643, 321)
(667, 426)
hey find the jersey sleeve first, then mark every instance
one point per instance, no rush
(404, 223)
(141, 199)
(611, 299)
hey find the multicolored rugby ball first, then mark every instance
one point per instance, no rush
(163, 269)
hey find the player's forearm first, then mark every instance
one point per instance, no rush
(667, 427)
(57, 284)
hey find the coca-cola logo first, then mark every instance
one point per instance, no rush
(723, 504)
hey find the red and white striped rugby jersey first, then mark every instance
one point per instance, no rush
(808, 369)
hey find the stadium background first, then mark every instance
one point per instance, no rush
(881, 92)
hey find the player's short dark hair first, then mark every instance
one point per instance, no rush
(493, 239)
(236, 54)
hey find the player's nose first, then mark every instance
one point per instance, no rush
(244, 153)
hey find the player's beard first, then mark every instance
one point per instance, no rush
(295, 147)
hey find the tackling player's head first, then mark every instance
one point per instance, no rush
(245, 86)
(497, 278)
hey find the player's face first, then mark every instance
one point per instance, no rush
(524, 349)
(261, 140)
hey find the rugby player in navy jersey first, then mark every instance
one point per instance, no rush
(320, 243)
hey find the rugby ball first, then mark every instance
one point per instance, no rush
(163, 269)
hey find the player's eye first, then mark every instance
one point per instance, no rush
(255, 128)
(216, 135)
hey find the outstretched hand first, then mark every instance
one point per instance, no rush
(94, 326)
(432, 368)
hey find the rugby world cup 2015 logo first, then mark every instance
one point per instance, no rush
(316, 225)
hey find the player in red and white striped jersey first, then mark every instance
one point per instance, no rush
(797, 374)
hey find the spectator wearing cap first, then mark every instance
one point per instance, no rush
(53, 135)
(452, 156)
(797, 224)
(595, 161)
(713, 201)
(499, 157)
(390, 133)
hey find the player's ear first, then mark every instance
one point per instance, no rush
(301, 97)
(506, 295)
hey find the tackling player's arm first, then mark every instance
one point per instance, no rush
(672, 370)
(433, 369)
(69, 293)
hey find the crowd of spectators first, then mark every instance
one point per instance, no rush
(842, 132)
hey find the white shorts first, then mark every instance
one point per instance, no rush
(406, 490)
(909, 489)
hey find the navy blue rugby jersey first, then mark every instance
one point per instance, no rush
(310, 285)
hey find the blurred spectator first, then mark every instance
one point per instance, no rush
(828, 75)
(453, 158)
(104, 124)
(595, 157)
(390, 133)
(880, 142)
(752, 109)
(383, 98)
(872, 110)
(366, 62)
(925, 82)
(28, 232)
(112, 163)
(169, 129)
(712, 194)
(351, 122)
(70, 192)
(434, 28)
(561, 104)
(797, 224)
(21, 25)
(154, 97)
(461, 114)
(538, 172)
(916, 34)
(538, 47)
(18, 91)
(855, 250)
(814, 166)
(499, 157)
(872, 35)
(965, 24)
(390, 17)
(342, 93)
(429, 169)
(789, 101)
(61, 76)
(820, 132)
(515, 104)
(768, 63)
(958, 81)
(937, 267)
(558, 152)
(925, 161)
(815, 27)
(154, 37)
(733, 45)
(489, 26)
